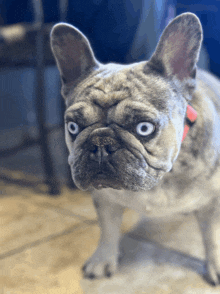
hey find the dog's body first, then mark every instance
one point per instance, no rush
(124, 128)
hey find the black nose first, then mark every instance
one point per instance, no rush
(102, 145)
(101, 153)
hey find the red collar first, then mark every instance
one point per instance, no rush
(191, 116)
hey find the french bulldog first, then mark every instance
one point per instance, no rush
(144, 136)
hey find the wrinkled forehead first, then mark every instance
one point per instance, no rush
(110, 87)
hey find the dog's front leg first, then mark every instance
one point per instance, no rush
(209, 222)
(104, 261)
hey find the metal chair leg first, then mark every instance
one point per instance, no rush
(51, 179)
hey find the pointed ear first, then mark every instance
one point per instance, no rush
(178, 49)
(73, 53)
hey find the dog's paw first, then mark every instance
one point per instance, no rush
(103, 263)
(212, 273)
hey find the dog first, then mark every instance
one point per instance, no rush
(144, 136)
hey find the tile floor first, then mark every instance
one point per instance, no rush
(45, 241)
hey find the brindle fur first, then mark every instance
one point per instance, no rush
(157, 175)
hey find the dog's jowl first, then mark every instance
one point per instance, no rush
(144, 136)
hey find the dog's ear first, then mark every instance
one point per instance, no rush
(178, 49)
(73, 53)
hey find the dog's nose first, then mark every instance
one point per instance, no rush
(100, 153)
(102, 144)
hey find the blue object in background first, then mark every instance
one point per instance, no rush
(209, 15)
(17, 91)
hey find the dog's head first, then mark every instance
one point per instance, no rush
(124, 123)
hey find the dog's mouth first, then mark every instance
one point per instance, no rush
(103, 179)
(122, 170)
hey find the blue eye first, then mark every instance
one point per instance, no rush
(73, 128)
(145, 128)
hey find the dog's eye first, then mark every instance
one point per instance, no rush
(145, 128)
(73, 128)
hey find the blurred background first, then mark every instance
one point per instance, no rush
(32, 148)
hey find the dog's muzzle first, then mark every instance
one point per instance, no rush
(102, 144)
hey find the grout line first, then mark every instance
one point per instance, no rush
(45, 239)
(68, 212)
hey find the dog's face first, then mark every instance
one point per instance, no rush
(122, 132)
(124, 124)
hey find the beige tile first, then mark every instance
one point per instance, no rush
(23, 223)
(26, 216)
(77, 202)
(52, 267)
